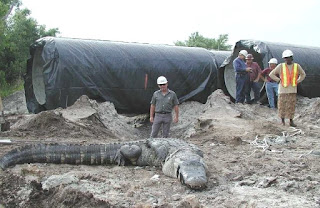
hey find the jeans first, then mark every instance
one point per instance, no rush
(271, 89)
(241, 81)
(256, 91)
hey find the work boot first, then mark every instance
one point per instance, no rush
(292, 124)
(249, 102)
(283, 122)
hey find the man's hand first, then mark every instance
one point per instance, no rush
(176, 114)
(152, 109)
(249, 69)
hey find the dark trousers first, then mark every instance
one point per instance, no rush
(241, 82)
(256, 91)
(163, 120)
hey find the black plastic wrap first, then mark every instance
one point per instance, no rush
(220, 57)
(61, 70)
(306, 56)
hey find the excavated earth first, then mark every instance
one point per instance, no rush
(252, 160)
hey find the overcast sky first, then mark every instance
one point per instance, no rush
(166, 21)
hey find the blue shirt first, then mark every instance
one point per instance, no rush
(239, 65)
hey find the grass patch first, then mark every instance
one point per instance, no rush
(8, 89)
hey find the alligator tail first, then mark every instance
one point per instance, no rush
(94, 154)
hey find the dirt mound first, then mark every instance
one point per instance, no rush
(60, 123)
(86, 118)
(52, 124)
(45, 120)
(195, 117)
(308, 110)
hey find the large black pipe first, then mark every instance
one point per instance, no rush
(306, 56)
(61, 70)
(220, 57)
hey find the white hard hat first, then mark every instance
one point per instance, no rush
(162, 80)
(243, 52)
(287, 53)
(249, 56)
(273, 61)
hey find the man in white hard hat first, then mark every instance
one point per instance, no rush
(162, 103)
(271, 85)
(254, 78)
(291, 74)
(242, 77)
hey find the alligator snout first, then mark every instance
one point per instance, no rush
(193, 174)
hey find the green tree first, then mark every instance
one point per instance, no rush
(6, 7)
(19, 31)
(197, 40)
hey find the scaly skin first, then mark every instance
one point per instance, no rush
(177, 158)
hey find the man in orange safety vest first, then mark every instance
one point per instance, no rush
(291, 74)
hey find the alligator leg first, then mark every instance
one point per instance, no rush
(128, 153)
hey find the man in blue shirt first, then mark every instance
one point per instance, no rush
(242, 76)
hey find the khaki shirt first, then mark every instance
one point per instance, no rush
(290, 88)
(164, 103)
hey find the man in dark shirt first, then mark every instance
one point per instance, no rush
(162, 103)
(242, 77)
(271, 85)
(254, 77)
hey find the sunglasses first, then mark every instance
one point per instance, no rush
(162, 84)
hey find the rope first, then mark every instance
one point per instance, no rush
(269, 139)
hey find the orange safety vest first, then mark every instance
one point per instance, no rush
(287, 77)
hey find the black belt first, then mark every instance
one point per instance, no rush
(163, 112)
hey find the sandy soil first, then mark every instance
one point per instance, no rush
(252, 160)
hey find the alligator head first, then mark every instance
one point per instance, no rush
(192, 173)
(188, 167)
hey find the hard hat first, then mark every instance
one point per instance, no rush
(243, 52)
(287, 53)
(162, 80)
(249, 56)
(273, 61)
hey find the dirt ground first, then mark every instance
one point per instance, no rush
(252, 160)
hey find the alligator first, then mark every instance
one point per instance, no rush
(177, 158)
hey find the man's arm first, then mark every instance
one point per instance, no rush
(259, 73)
(302, 74)
(239, 67)
(152, 109)
(274, 72)
(258, 77)
(176, 111)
